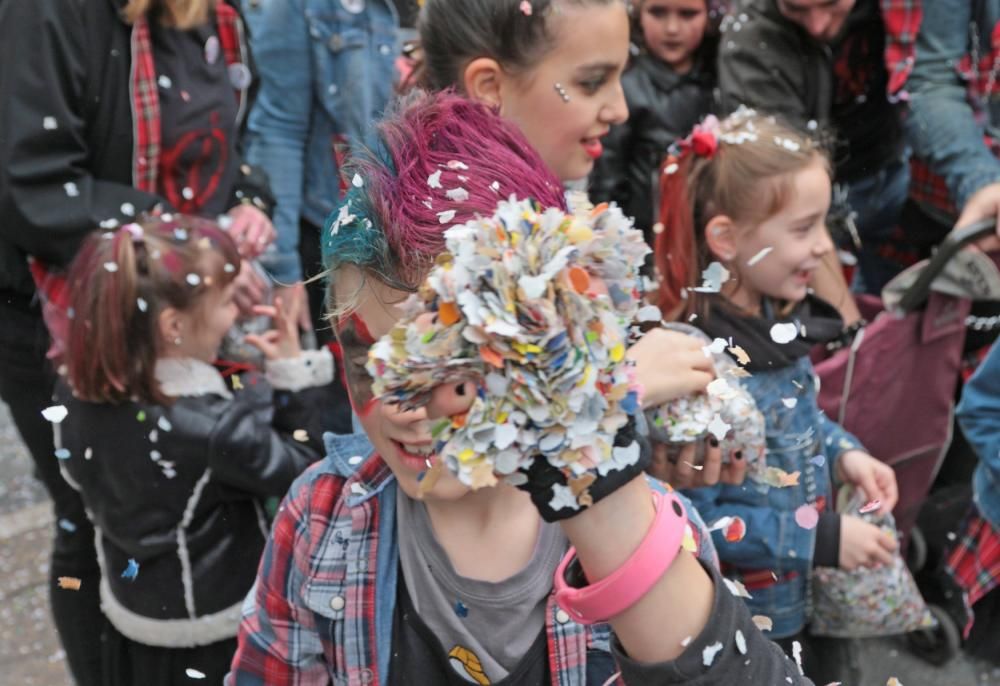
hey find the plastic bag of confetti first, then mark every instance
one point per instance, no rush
(533, 305)
(726, 411)
(867, 602)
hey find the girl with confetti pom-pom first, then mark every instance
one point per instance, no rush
(173, 463)
(744, 205)
(500, 548)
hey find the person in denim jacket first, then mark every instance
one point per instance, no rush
(327, 72)
(943, 56)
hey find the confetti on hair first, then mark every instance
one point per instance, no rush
(508, 308)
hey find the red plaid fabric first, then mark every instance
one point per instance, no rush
(902, 22)
(974, 563)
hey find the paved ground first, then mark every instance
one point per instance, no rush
(30, 653)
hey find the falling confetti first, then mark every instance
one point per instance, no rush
(88, 453)
(759, 256)
(872, 506)
(709, 653)
(301, 435)
(357, 181)
(763, 623)
(131, 571)
(741, 642)
(70, 583)
(784, 333)
(50, 124)
(62, 454)
(55, 414)
(807, 516)
(194, 673)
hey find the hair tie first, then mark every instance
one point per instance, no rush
(704, 138)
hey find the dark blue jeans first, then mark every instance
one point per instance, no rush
(26, 382)
(877, 201)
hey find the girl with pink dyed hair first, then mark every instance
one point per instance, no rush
(372, 577)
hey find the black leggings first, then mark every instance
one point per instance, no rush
(26, 382)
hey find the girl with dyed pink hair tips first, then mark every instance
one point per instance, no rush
(373, 575)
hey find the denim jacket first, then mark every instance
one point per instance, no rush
(799, 439)
(979, 416)
(327, 72)
(951, 60)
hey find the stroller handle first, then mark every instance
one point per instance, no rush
(917, 294)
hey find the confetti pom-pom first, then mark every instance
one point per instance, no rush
(532, 306)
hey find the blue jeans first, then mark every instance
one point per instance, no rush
(876, 202)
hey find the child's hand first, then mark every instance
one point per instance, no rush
(670, 365)
(281, 342)
(875, 478)
(683, 473)
(863, 544)
(251, 229)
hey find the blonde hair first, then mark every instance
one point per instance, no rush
(178, 14)
(748, 178)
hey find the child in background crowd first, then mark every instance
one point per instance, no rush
(669, 88)
(744, 208)
(174, 464)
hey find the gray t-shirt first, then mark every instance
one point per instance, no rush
(496, 622)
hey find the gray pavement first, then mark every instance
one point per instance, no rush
(30, 652)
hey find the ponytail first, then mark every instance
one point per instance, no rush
(674, 246)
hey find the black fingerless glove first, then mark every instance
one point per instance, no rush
(549, 487)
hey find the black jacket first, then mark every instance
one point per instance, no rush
(769, 63)
(663, 107)
(180, 489)
(68, 62)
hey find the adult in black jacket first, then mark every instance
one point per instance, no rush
(105, 106)
(819, 65)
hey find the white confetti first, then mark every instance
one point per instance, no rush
(193, 279)
(797, 655)
(712, 278)
(649, 313)
(455, 165)
(741, 642)
(718, 428)
(358, 489)
(434, 180)
(446, 216)
(88, 453)
(55, 414)
(50, 124)
(142, 304)
(109, 224)
(301, 435)
(716, 347)
(164, 81)
(187, 192)
(790, 403)
(155, 455)
(111, 267)
(194, 673)
(229, 268)
(759, 256)
(495, 186)
(784, 333)
(671, 168)
(457, 194)
(128, 209)
(709, 653)
(164, 424)
(71, 189)
(357, 181)
(686, 642)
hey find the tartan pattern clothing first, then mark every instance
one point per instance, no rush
(977, 70)
(313, 615)
(974, 564)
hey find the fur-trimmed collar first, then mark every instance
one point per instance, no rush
(179, 377)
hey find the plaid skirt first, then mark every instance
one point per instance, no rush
(974, 563)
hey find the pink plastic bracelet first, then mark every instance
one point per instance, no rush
(619, 591)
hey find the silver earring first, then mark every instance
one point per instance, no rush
(562, 92)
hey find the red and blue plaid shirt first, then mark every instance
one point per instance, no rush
(322, 607)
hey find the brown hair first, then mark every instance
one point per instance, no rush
(747, 177)
(179, 14)
(120, 282)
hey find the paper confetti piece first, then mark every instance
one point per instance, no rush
(62, 454)
(818, 460)
(111, 267)
(797, 655)
(131, 571)
(718, 427)
(164, 424)
(446, 216)
(237, 383)
(55, 414)
(741, 642)
(50, 124)
(128, 209)
(759, 256)
(807, 516)
(193, 279)
(790, 403)
(457, 194)
(736, 588)
(784, 333)
(712, 278)
(709, 653)
(357, 181)
(762, 622)
(67, 525)
(70, 583)
(525, 8)
(741, 355)
(736, 530)
(71, 189)
(495, 186)
(872, 506)
(434, 180)
(893, 681)
(456, 165)
(301, 435)
(461, 609)
(716, 347)
(649, 313)
(194, 673)
(686, 641)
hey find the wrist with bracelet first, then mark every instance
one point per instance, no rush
(591, 603)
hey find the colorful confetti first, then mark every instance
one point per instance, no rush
(69, 583)
(807, 516)
(131, 570)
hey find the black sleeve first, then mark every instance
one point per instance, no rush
(252, 186)
(261, 445)
(49, 199)
(827, 551)
(760, 78)
(750, 660)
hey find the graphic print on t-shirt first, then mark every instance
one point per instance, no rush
(468, 666)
